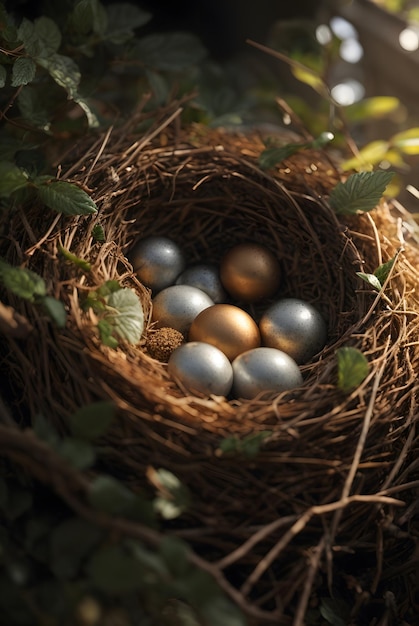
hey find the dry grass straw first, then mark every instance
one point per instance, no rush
(328, 503)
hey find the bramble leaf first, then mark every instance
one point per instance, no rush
(12, 178)
(21, 281)
(66, 198)
(383, 270)
(360, 192)
(23, 71)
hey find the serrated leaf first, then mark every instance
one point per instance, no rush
(32, 108)
(66, 198)
(353, 368)
(23, 71)
(125, 314)
(11, 178)
(383, 270)
(70, 543)
(48, 33)
(123, 18)
(3, 76)
(170, 51)
(371, 279)
(92, 421)
(22, 282)
(78, 453)
(64, 71)
(361, 192)
(55, 309)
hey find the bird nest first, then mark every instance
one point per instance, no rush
(325, 503)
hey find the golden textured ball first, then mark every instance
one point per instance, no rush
(162, 342)
(250, 272)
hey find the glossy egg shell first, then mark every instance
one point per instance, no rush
(202, 368)
(227, 327)
(264, 370)
(204, 276)
(157, 261)
(295, 327)
(177, 306)
(250, 272)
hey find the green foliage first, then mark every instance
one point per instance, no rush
(30, 286)
(361, 192)
(353, 368)
(120, 313)
(271, 156)
(249, 446)
(173, 497)
(379, 277)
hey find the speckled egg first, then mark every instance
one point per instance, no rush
(295, 327)
(178, 305)
(227, 327)
(201, 367)
(157, 261)
(264, 370)
(204, 276)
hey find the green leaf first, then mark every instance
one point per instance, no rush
(3, 76)
(79, 454)
(109, 495)
(55, 309)
(11, 178)
(125, 314)
(353, 368)
(92, 118)
(174, 552)
(170, 51)
(66, 198)
(98, 233)
(32, 109)
(45, 431)
(23, 71)
(372, 108)
(41, 38)
(360, 192)
(369, 155)
(84, 265)
(92, 421)
(371, 279)
(272, 156)
(123, 18)
(383, 270)
(174, 497)
(249, 446)
(220, 610)
(64, 71)
(70, 543)
(21, 281)
(105, 331)
(407, 141)
(115, 569)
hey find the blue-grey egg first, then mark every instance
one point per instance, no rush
(201, 367)
(295, 327)
(178, 305)
(205, 276)
(157, 261)
(264, 370)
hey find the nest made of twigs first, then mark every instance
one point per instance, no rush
(334, 476)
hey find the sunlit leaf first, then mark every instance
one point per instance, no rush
(353, 368)
(360, 192)
(371, 108)
(311, 78)
(64, 71)
(407, 141)
(369, 155)
(125, 314)
(66, 198)
(371, 279)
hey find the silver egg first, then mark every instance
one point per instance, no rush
(295, 327)
(204, 276)
(202, 368)
(157, 261)
(178, 305)
(264, 370)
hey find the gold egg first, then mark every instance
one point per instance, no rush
(227, 327)
(250, 272)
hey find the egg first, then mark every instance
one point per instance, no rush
(204, 276)
(264, 370)
(294, 326)
(227, 327)
(178, 305)
(157, 261)
(201, 367)
(250, 272)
